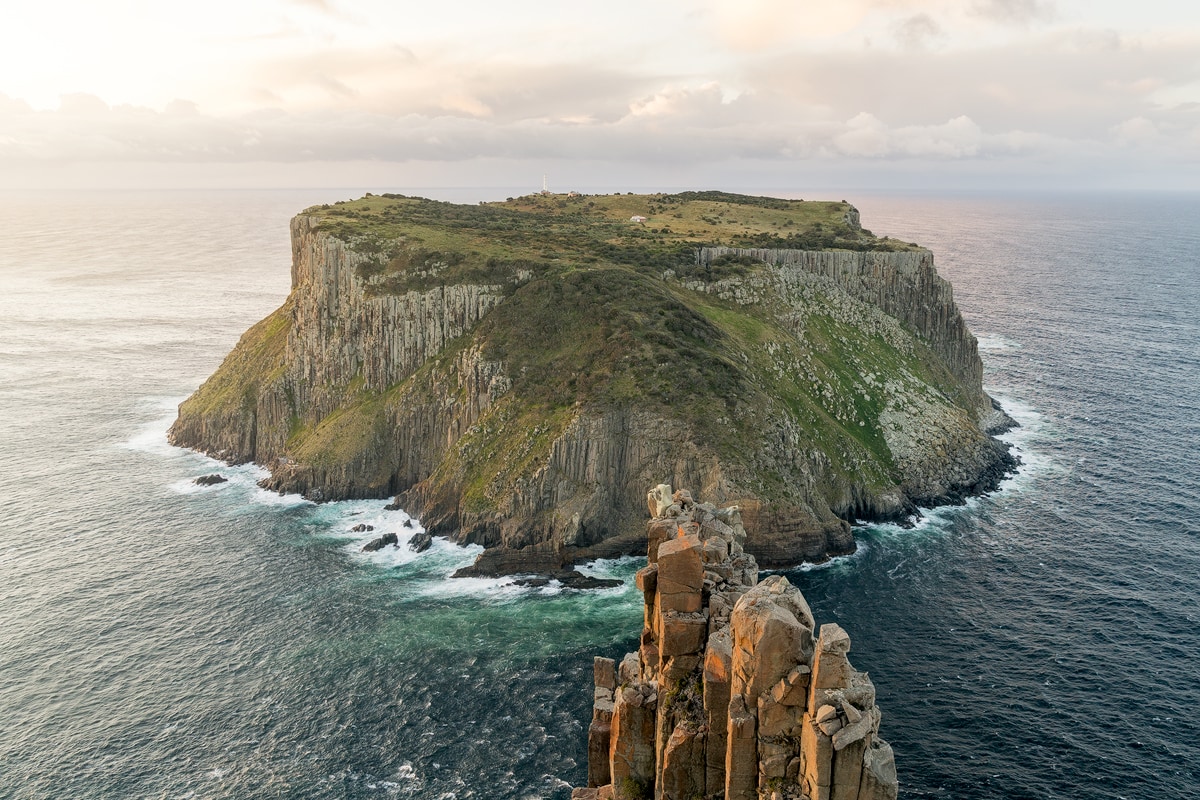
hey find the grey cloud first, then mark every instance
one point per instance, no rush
(1017, 12)
(1063, 85)
(918, 31)
(1069, 93)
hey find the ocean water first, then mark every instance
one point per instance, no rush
(163, 640)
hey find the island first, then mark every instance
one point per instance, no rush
(515, 373)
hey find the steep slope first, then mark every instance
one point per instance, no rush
(514, 373)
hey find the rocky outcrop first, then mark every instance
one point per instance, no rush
(904, 285)
(377, 544)
(813, 389)
(734, 691)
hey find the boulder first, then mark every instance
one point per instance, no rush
(210, 480)
(420, 542)
(380, 543)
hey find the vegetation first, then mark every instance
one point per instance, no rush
(602, 312)
(414, 243)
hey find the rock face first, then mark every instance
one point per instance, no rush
(734, 691)
(522, 404)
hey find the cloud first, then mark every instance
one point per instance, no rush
(754, 24)
(865, 136)
(1015, 12)
(917, 31)
(1137, 130)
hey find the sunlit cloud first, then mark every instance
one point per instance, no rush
(673, 84)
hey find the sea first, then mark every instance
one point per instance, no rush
(160, 639)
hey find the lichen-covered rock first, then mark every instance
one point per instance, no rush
(759, 710)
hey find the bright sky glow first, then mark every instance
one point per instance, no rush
(962, 89)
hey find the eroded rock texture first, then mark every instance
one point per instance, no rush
(734, 692)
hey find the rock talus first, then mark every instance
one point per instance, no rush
(735, 692)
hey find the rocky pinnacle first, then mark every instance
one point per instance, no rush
(734, 691)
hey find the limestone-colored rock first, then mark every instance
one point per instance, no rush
(816, 749)
(830, 668)
(604, 671)
(646, 579)
(718, 664)
(775, 719)
(631, 748)
(741, 762)
(683, 764)
(680, 566)
(599, 745)
(768, 641)
(630, 671)
(793, 690)
(879, 773)
(863, 727)
(830, 727)
(682, 633)
(658, 499)
(725, 702)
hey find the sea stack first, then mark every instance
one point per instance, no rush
(734, 691)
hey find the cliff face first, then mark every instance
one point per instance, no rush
(733, 691)
(520, 402)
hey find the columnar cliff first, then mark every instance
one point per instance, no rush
(512, 373)
(733, 691)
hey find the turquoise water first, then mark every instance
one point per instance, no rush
(159, 639)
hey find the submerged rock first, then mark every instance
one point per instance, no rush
(571, 579)
(762, 705)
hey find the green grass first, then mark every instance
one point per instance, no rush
(417, 244)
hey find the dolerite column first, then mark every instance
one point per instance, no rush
(600, 731)
(682, 626)
(631, 748)
(771, 629)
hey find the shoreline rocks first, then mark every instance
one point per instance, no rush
(210, 480)
(734, 691)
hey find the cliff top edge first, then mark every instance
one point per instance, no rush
(648, 230)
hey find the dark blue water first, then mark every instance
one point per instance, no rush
(161, 640)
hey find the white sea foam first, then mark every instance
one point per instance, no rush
(1033, 429)
(151, 436)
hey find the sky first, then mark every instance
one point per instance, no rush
(775, 94)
